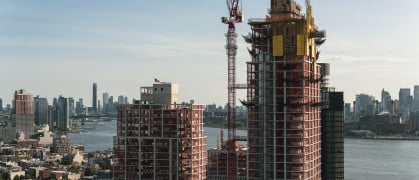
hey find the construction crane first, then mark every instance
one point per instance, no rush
(235, 16)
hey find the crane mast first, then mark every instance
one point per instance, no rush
(236, 16)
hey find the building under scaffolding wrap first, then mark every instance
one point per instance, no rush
(160, 141)
(284, 94)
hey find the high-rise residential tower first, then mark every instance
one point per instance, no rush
(41, 111)
(79, 106)
(386, 102)
(364, 105)
(105, 102)
(71, 105)
(405, 103)
(416, 97)
(159, 138)
(121, 99)
(332, 122)
(111, 105)
(94, 100)
(54, 113)
(99, 107)
(63, 121)
(1, 105)
(405, 99)
(23, 112)
(348, 112)
(283, 82)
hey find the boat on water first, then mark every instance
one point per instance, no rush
(90, 120)
(87, 128)
(106, 119)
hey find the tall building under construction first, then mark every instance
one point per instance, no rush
(284, 94)
(158, 138)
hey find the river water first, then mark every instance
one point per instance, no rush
(364, 159)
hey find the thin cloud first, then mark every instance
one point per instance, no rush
(365, 59)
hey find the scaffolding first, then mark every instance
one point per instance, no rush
(160, 142)
(284, 95)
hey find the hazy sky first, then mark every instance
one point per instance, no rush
(53, 48)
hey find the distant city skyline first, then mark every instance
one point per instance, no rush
(53, 48)
(377, 96)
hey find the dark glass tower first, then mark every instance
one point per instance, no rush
(41, 110)
(332, 122)
(94, 102)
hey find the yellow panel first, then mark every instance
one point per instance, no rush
(301, 45)
(278, 45)
(314, 50)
